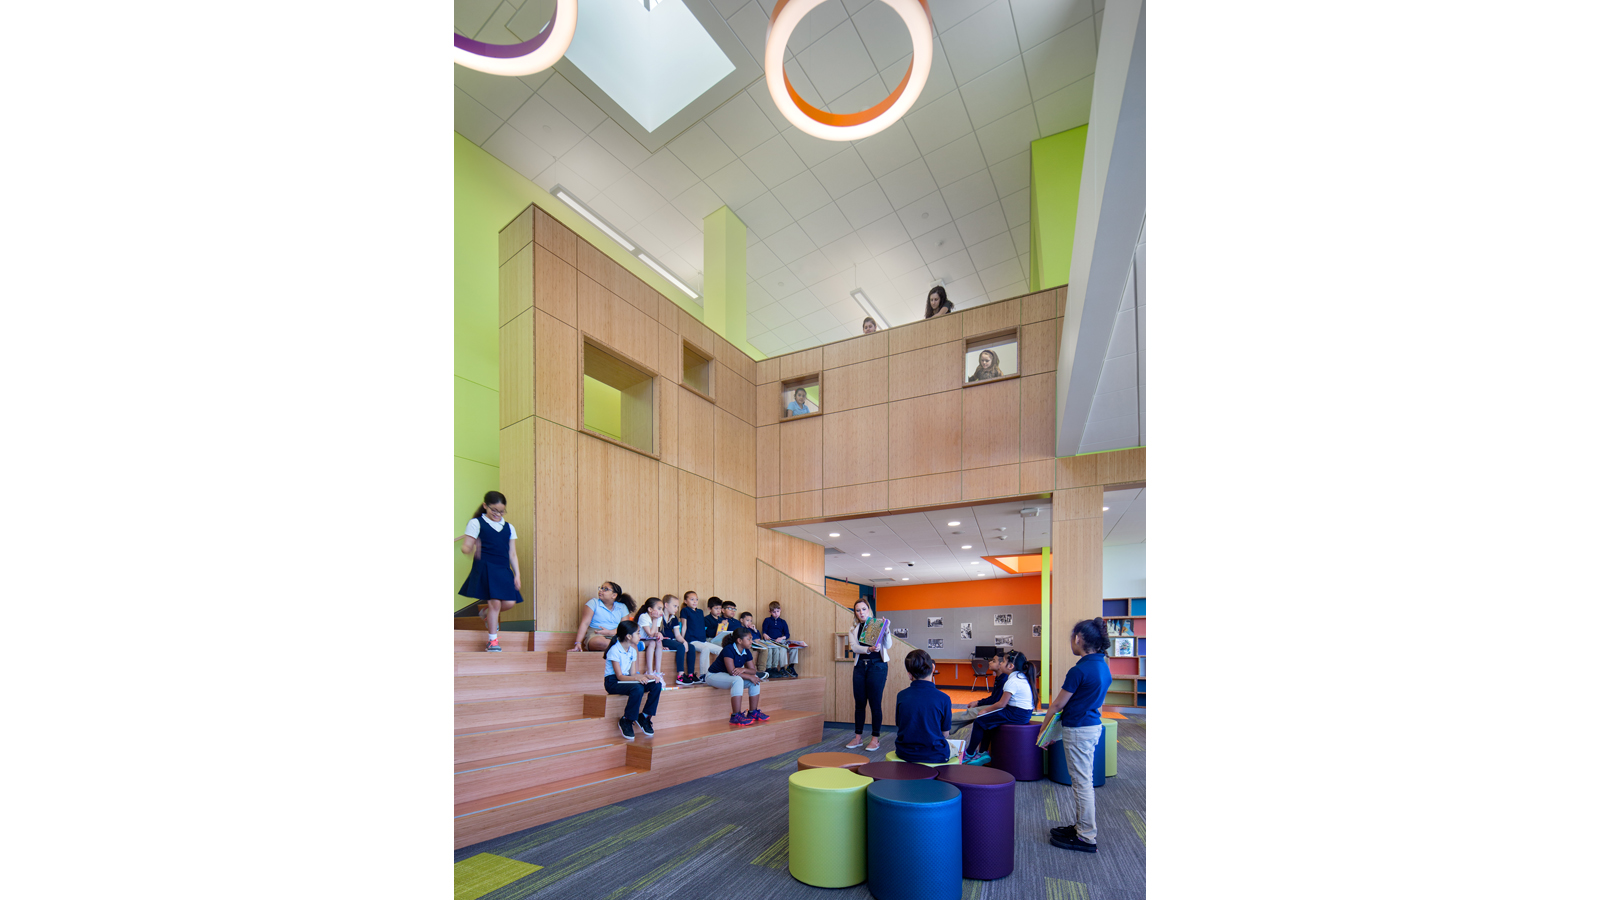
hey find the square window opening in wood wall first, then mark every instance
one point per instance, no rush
(697, 371)
(618, 399)
(802, 397)
(990, 357)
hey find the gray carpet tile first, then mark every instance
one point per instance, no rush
(731, 828)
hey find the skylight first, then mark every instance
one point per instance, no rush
(652, 62)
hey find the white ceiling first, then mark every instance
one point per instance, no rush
(933, 547)
(943, 193)
(1117, 413)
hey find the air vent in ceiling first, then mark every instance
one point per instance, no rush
(882, 580)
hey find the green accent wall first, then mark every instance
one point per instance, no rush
(725, 277)
(1056, 170)
(1045, 677)
(602, 407)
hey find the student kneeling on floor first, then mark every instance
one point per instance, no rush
(621, 680)
(735, 671)
(922, 713)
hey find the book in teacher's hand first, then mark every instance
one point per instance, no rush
(873, 631)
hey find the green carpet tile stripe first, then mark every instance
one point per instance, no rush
(555, 830)
(602, 848)
(478, 875)
(971, 889)
(1052, 812)
(1061, 889)
(1137, 821)
(660, 871)
(776, 856)
(788, 760)
(1129, 743)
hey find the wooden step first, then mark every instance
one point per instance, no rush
(508, 663)
(490, 715)
(503, 774)
(529, 739)
(471, 623)
(470, 641)
(469, 688)
(479, 820)
(710, 744)
(706, 703)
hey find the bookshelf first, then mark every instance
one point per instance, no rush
(1128, 673)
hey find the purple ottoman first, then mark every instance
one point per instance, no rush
(897, 771)
(1016, 750)
(988, 820)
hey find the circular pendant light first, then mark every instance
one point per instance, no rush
(786, 16)
(527, 57)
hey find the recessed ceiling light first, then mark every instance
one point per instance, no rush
(972, 564)
(1105, 509)
(866, 554)
(981, 574)
(833, 534)
(905, 579)
(952, 524)
(966, 546)
(888, 568)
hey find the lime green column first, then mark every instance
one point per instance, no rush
(1045, 693)
(725, 277)
(1057, 171)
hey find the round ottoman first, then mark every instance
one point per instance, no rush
(832, 761)
(988, 820)
(952, 761)
(1016, 750)
(913, 840)
(897, 771)
(828, 827)
(1060, 774)
(1111, 746)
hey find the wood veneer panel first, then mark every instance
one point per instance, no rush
(1061, 302)
(856, 350)
(1076, 551)
(929, 370)
(1077, 471)
(516, 284)
(594, 264)
(805, 505)
(667, 516)
(994, 481)
(666, 311)
(856, 386)
(990, 317)
(800, 445)
(617, 496)
(767, 369)
(667, 437)
(769, 481)
(857, 498)
(1038, 417)
(669, 353)
(1038, 347)
(695, 332)
(855, 446)
(557, 370)
(622, 328)
(1038, 477)
(516, 235)
(925, 490)
(1120, 466)
(798, 558)
(734, 545)
(517, 482)
(1077, 503)
(555, 569)
(925, 435)
(696, 452)
(735, 359)
(734, 448)
(1038, 307)
(769, 509)
(769, 403)
(555, 237)
(926, 333)
(555, 286)
(802, 362)
(989, 424)
(735, 394)
(516, 369)
(696, 568)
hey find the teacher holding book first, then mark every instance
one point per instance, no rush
(869, 641)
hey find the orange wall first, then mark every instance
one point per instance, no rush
(999, 592)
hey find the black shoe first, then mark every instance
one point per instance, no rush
(792, 672)
(647, 726)
(1064, 831)
(626, 728)
(1072, 843)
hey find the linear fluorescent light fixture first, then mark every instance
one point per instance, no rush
(860, 297)
(595, 220)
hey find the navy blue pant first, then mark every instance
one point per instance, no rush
(693, 658)
(677, 649)
(635, 692)
(867, 680)
(983, 726)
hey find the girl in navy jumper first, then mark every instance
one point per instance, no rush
(495, 581)
(1015, 705)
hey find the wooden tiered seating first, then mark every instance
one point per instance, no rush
(537, 740)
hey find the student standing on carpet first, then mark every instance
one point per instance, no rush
(922, 715)
(867, 678)
(1015, 706)
(495, 581)
(1082, 692)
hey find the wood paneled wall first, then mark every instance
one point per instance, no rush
(587, 509)
(898, 428)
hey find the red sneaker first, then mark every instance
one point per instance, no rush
(494, 646)
(758, 716)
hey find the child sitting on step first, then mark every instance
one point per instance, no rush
(735, 671)
(767, 653)
(775, 629)
(1015, 705)
(650, 618)
(672, 631)
(621, 680)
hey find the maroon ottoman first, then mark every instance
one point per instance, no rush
(988, 820)
(896, 771)
(1016, 750)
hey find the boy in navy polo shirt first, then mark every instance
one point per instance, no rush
(922, 715)
(775, 629)
(1082, 692)
(694, 629)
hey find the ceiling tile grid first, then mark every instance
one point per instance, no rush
(942, 194)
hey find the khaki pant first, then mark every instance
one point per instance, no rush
(1080, 763)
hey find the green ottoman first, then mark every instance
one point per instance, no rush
(828, 827)
(1111, 746)
(952, 761)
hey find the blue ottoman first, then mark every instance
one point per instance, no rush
(1060, 774)
(914, 840)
